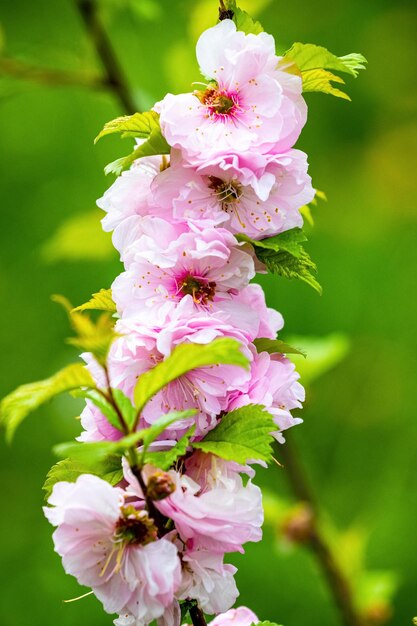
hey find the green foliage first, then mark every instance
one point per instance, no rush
(69, 470)
(243, 20)
(142, 126)
(183, 359)
(125, 406)
(264, 344)
(305, 210)
(265, 623)
(26, 398)
(241, 435)
(284, 255)
(101, 301)
(165, 459)
(91, 336)
(92, 455)
(314, 63)
(103, 404)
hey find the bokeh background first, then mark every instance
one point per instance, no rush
(358, 441)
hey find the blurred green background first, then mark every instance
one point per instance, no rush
(358, 441)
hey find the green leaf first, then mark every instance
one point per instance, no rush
(241, 436)
(324, 353)
(266, 623)
(69, 470)
(102, 404)
(284, 255)
(243, 20)
(164, 459)
(126, 407)
(137, 125)
(143, 125)
(272, 346)
(95, 453)
(92, 336)
(100, 301)
(314, 62)
(184, 358)
(18, 404)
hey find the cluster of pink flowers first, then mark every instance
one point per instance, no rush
(186, 279)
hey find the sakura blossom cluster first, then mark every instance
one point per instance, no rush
(160, 538)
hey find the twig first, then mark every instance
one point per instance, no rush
(115, 78)
(197, 616)
(45, 76)
(337, 582)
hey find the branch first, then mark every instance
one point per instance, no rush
(338, 583)
(197, 616)
(24, 71)
(115, 78)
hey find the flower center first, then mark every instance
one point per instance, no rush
(218, 101)
(135, 527)
(201, 290)
(228, 192)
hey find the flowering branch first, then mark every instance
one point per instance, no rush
(43, 76)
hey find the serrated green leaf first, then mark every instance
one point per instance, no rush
(241, 436)
(264, 344)
(69, 470)
(25, 399)
(102, 404)
(100, 301)
(266, 623)
(184, 358)
(126, 407)
(242, 19)
(164, 459)
(136, 125)
(284, 255)
(314, 62)
(154, 142)
(95, 453)
(324, 353)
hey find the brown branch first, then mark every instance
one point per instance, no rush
(115, 78)
(338, 583)
(50, 77)
(197, 616)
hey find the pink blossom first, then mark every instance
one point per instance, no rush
(206, 579)
(130, 194)
(242, 616)
(113, 548)
(219, 517)
(206, 268)
(274, 384)
(248, 105)
(227, 192)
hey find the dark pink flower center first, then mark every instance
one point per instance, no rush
(135, 527)
(219, 102)
(228, 192)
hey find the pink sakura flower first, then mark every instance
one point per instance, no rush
(219, 516)
(274, 384)
(227, 192)
(130, 194)
(204, 269)
(248, 105)
(206, 579)
(113, 548)
(242, 616)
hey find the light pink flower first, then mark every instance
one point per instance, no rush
(219, 517)
(227, 192)
(274, 384)
(113, 548)
(206, 579)
(242, 616)
(249, 105)
(205, 268)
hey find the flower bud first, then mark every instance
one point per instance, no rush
(160, 485)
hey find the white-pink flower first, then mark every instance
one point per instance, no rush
(229, 193)
(220, 515)
(248, 105)
(203, 268)
(241, 616)
(113, 548)
(208, 580)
